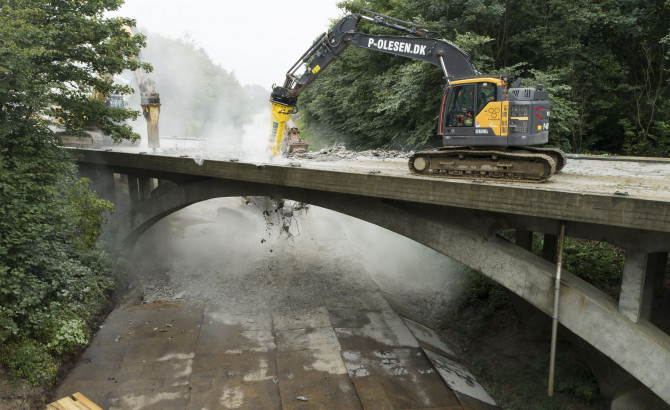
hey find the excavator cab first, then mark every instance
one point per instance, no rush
(480, 112)
(469, 99)
(116, 101)
(461, 107)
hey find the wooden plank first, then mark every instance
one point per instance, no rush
(77, 402)
(86, 401)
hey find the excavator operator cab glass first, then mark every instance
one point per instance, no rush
(486, 93)
(115, 101)
(461, 110)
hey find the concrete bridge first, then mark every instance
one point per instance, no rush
(460, 219)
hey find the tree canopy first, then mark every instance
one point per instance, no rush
(606, 64)
(53, 55)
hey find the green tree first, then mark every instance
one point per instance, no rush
(53, 55)
(645, 36)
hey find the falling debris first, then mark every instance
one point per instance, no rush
(279, 214)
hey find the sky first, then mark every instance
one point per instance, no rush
(258, 40)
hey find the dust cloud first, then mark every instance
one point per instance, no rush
(223, 251)
(204, 109)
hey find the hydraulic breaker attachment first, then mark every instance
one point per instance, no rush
(151, 108)
(280, 115)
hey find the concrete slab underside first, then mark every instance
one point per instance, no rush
(169, 355)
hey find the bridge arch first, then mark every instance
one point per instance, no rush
(584, 310)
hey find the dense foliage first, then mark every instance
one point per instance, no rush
(53, 54)
(606, 64)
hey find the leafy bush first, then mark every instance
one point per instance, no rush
(68, 336)
(599, 263)
(573, 376)
(482, 292)
(7, 325)
(52, 277)
(31, 361)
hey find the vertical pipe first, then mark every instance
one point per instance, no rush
(444, 68)
(554, 326)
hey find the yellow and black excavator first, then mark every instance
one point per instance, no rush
(487, 128)
(149, 101)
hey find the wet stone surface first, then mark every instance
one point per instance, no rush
(179, 355)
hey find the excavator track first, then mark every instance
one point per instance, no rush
(457, 162)
(558, 155)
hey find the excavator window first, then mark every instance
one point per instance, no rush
(462, 106)
(486, 93)
(115, 101)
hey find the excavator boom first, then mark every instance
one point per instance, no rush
(454, 62)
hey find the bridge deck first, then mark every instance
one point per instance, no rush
(623, 193)
(636, 179)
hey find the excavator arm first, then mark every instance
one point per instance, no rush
(150, 102)
(419, 45)
(453, 61)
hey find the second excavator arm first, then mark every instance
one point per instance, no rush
(151, 105)
(150, 101)
(420, 45)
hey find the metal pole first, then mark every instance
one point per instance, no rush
(554, 326)
(444, 67)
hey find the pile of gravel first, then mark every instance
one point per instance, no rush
(339, 151)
